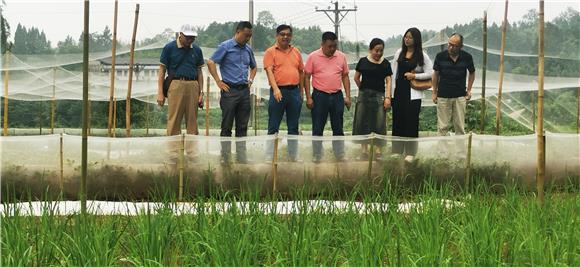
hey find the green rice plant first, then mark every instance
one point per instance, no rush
(151, 237)
(231, 228)
(92, 241)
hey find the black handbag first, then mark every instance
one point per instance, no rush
(170, 75)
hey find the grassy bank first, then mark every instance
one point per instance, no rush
(510, 228)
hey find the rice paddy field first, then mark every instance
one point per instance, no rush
(381, 225)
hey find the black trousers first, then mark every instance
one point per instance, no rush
(406, 124)
(235, 106)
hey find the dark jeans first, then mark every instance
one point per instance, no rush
(291, 103)
(324, 105)
(235, 106)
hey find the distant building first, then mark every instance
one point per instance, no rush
(143, 68)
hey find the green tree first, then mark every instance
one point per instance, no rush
(30, 41)
(266, 19)
(5, 30)
(19, 40)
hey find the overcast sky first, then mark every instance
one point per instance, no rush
(373, 19)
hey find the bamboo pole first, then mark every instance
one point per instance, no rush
(534, 111)
(181, 166)
(83, 189)
(255, 115)
(501, 70)
(6, 78)
(113, 72)
(275, 165)
(61, 165)
(207, 107)
(483, 73)
(540, 131)
(578, 110)
(53, 104)
(40, 117)
(115, 117)
(147, 116)
(131, 59)
(90, 117)
(371, 157)
(468, 163)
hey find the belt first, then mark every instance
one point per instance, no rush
(237, 86)
(339, 91)
(288, 87)
(183, 79)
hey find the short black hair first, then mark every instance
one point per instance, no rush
(283, 27)
(375, 42)
(329, 36)
(459, 35)
(243, 25)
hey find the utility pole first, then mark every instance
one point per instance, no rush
(251, 18)
(339, 15)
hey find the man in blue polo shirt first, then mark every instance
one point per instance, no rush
(235, 57)
(185, 60)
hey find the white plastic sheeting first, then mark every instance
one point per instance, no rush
(67, 208)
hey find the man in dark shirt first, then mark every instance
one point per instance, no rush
(449, 91)
(184, 59)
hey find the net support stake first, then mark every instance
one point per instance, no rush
(501, 71)
(275, 165)
(85, 122)
(112, 72)
(371, 156)
(130, 85)
(61, 165)
(578, 110)
(90, 114)
(181, 166)
(541, 135)
(255, 115)
(6, 78)
(207, 107)
(53, 103)
(147, 116)
(468, 161)
(483, 73)
(114, 130)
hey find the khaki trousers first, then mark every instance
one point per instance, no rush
(182, 101)
(451, 112)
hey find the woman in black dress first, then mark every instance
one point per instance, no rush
(410, 62)
(374, 94)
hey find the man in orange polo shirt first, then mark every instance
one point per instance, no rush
(329, 73)
(285, 70)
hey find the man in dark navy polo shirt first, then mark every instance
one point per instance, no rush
(449, 91)
(185, 60)
(235, 58)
